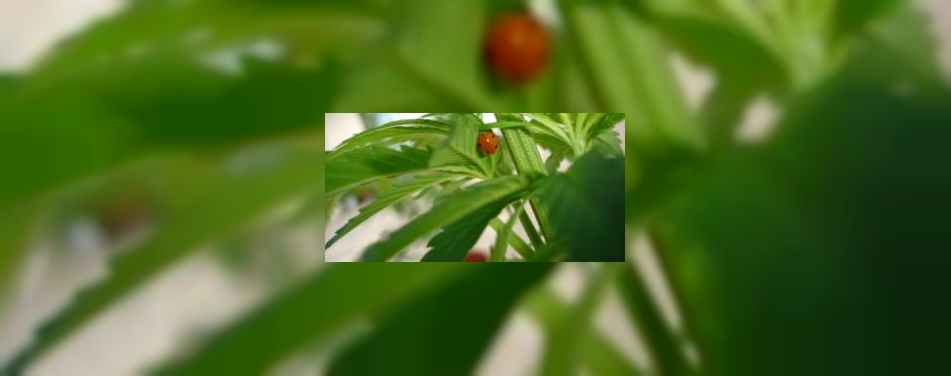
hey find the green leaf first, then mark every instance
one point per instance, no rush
(309, 314)
(530, 230)
(444, 332)
(586, 208)
(460, 149)
(515, 241)
(853, 15)
(138, 37)
(392, 133)
(666, 349)
(456, 207)
(564, 350)
(229, 202)
(384, 200)
(364, 165)
(608, 143)
(598, 355)
(627, 64)
(457, 239)
(457, 65)
(497, 252)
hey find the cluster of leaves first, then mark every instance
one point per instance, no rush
(782, 256)
(578, 212)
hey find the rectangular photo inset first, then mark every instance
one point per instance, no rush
(473, 187)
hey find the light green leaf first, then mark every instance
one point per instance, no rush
(497, 252)
(455, 29)
(392, 133)
(364, 165)
(515, 241)
(460, 149)
(453, 209)
(383, 201)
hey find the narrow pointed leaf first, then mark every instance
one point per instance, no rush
(456, 207)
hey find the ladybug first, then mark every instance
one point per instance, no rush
(516, 47)
(488, 142)
(476, 256)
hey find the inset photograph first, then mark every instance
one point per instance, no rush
(474, 187)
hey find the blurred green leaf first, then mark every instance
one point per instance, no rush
(585, 208)
(569, 337)
(853, 15)
(455, 208)
(444, 331)
(229, 202)
(310, 313)
(139, 36)
(598, 355)
(628, 65)
(457, 65)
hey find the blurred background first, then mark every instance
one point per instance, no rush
(161, 164)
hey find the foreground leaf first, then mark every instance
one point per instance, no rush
(308, 314)
(567, 340)
(447, 330)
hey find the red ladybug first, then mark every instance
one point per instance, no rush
(517, 47)
(488, 142)
(476, 257)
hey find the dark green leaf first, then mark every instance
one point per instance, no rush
(585, 207)
(457, 239)
(444, 332)
(309, 313)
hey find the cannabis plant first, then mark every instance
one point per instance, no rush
(476, 175)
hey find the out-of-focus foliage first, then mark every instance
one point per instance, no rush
(821, 250)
